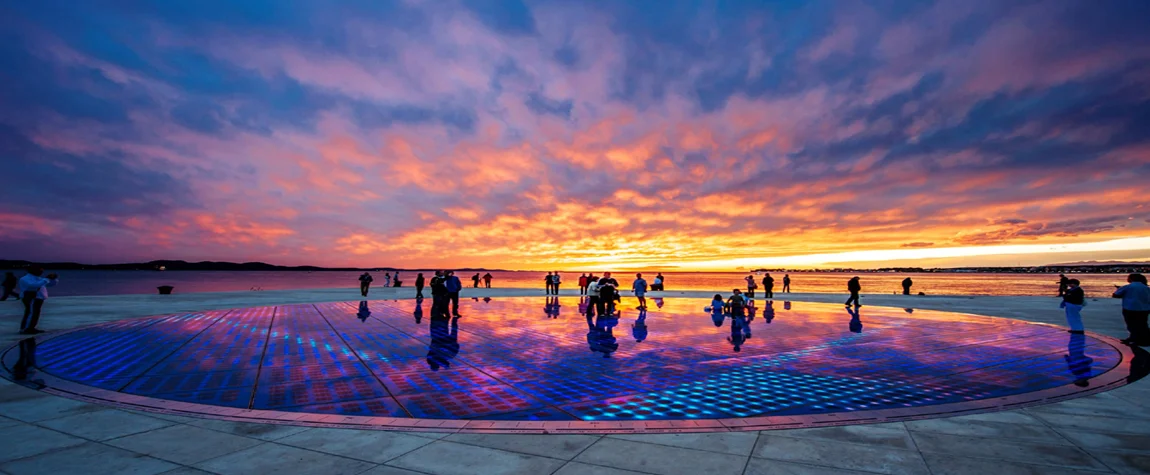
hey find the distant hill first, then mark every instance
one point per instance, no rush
(1102, 263)
(204, 265)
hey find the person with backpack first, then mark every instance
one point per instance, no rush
(854, 288)
(364, 283)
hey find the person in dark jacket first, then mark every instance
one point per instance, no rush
(1135, 309)
(475, 280)
(9, 287)
(768, 286)
(438, 295)
(854, 288)
(419, 285)
(1073, 300)
(453, 286)
(787, 283)
(1063, 283)
(906, 283)
(364, 283)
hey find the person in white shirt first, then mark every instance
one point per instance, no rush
(33, 292)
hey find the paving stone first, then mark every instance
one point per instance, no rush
(659, 459)
(42, 407)
(270, 458)
(369, 445)
(187, 471)
(24, 440)
(1094, 440)
(943, 464)
(1009, 417)
(385, 470)
(576, 468)
(759, 466)
(1017, 451)
(1104, 424)
(450, 458)
(734, 443)
(885, 435)
(89, 459)
(104, 425)
(996, 430)
(6, 422)
(555, 446)
(184, 444)
(269, 432)
(1124, 463)
(1096, 406)
(836, 454)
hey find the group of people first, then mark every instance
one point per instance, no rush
(768, 285)
(366, 279)
(486, 278)
(32, 290)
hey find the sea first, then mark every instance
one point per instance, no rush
(104, 282)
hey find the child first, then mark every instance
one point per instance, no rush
(716, 305)
(1073, 300)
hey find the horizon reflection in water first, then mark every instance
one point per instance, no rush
(536, 358)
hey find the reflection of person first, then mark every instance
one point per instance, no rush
(33, 292)
(787, 283)
(551, 308)
(658, 302)
(639, 328)
(769, 311)
(855, 325)
(601, 335)
(740, 332)
(906, 283)
(1135, 309)
(363, 312)
(444, 343)
(854, 288)
(1073, 300)
(1077, 361)
(786, 305)
(364, 283)
(418, 313)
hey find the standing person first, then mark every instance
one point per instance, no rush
(583, 284)
(661, 282)
(750, 286)
(487, 280)
(387, 279)
(557, 282)
(1073, 301)
(475, 280)
(10, 286)
(1135, 309)
(438, 295)
(735, 305)
(548, 281)
(1062, 284)
(768, 286)
(608, 293)
(787, 283)
(640, 289)
(854, 288)
(364, 283)
(33, 292)
(593, 302)
(419, 285)
(453, 287)
(906, 283)
(395, 282)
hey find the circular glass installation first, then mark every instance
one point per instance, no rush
(535, 363)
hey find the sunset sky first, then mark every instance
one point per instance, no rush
(705, 135)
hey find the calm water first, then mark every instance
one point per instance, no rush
(81, 282)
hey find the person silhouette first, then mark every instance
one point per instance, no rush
(1063, 282)
(364, 283)
(444, 343)
(769, 311)
(601, 336)
(906, 283)
(855, 325)
(740, 332)
(9, 286)
(786, 305)
(475, 280)
(639, 328)
(364, 312)
(419, 285)
(854, 288)
(786, 283)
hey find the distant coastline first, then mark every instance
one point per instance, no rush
(178, 265)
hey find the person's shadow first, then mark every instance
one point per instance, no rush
(444, 343)
(855, 325)
(1139, 365)
(25, 361)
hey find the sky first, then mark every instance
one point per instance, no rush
(701, 135)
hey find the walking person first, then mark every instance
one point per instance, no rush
(1135, 297)
(1073, 301)
(906, 283)
(768, 286)
(475, 280)
(640, 289)
(386, 279)
(854, 288)
(419, 285)
(453, 287)
(487, 280)
(750, 286)
(365, 281)
(9, 287)
(787, 283)
(33, 292)
(583, 284)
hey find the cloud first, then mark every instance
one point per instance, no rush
(549, 133)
